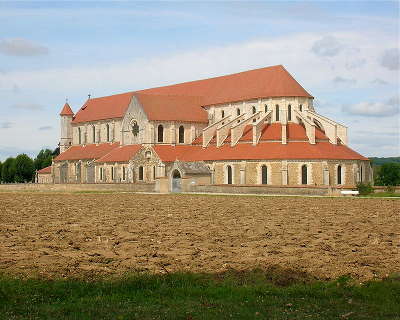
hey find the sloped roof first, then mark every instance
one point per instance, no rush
(168, 153)
(173, 108)
(273, 81)
(103, 108)
(121, 154)
(66, 110)
(273, 150)
(183, 101)
(46, 170)
(90, 151)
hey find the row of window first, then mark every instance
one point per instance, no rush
(124, 173)
(160, 134)
(93, 132)
(254, 110)
(264, 174)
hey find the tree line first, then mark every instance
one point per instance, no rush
(22, 168)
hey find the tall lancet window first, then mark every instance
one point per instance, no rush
(181, 134)
(277, 112)
(304, 179)
(79, 136)
(339, 174)
(108, 132)
(94, 134)
(289, 112)
(160, 133)
(264, 174)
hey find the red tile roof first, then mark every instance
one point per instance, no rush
(46, 170)
(272, 81)
(168, 153)
(262, 151)
(182, 101)
(103, 108)
(173, 108)
(121, 154)
(90, 151)
(274, 150)
(66, 110)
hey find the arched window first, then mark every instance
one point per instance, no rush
(304, 174)
(123, 173)
(301, 107)
(361, 173)
(154, 172)
(277, 112)
(222, 114)
(94, 134)
(254, 109)
(181, 134)
(141, 173)
(289, 110)
(112, 173)
(160, 135)
(264, 174)
(79, 136)
(266, 108)
(238, 111)
(229, 174)
(339, 174)
(108, 132)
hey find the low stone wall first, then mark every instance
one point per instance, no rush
(129, 187)
(378, 189)
(265, 189)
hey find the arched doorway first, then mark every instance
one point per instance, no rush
(64, 173)
(176, 181)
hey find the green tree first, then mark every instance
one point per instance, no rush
(43, 159)
(8, 170)
(0, 171)
(389, 174)
(24, 168)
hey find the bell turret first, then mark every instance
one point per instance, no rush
(66, 115)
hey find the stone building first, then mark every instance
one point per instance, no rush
(257, 127)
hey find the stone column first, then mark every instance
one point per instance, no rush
(325, 173)
(173, 134)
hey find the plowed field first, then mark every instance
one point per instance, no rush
(82, 235)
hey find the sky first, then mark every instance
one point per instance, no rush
(346, 54)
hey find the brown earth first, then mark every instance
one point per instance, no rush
(86, 235)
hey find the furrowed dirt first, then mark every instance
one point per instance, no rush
(87, 235)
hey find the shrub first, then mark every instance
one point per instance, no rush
(364, 188)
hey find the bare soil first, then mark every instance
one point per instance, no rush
(89, 235)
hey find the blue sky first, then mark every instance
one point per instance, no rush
(346, 54)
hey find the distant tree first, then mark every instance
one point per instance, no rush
(56, 152)
(43, 159)
(24, 168)
(389, 174)
(8, 170)
(0, 171)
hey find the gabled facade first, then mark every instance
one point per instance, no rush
(254, 127)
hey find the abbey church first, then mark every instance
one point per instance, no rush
(257, 127)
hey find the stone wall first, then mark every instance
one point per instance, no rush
(129, 187)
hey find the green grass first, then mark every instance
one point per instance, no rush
(383, 195)
(249, 295)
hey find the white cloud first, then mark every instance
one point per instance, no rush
(328, 46)
(6, 125)
(21, 47)
(341, 80)
(45, 128)
(28, 106)
(375, 109)
(391, 59)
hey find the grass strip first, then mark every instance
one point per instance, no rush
(197, 296)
